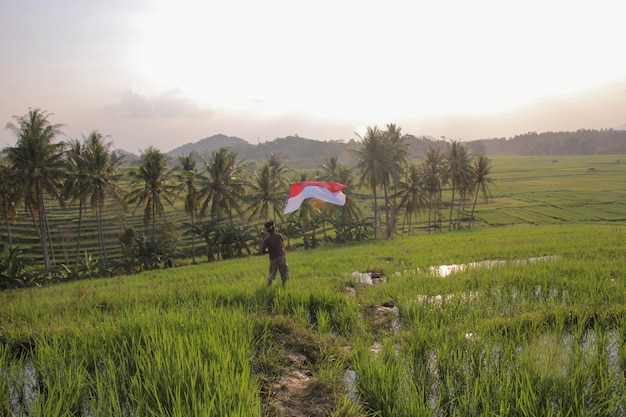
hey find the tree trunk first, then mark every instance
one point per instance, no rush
(430, 210)
(80, 222)
(9, 237)
(42, 229)
(153, 220)
(375, 213)
(49, 237)
(451, 210)
(387, 225)
(193, 238)
(101, 245)
(473, 207)
(460, 209)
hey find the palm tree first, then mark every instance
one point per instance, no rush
(9, 199)
(102, 173)
(397, 152)
(268, 190)
(77, 186)
(308, 213)
(371, 165)
(412, 194)
(333, 170)
(38, 166)
(279, 168)
(188, 176)
(434, 179)
(464, 189)
(223, 187)
(458, 167)
(207, 231)
(482, 168)
(151, 184)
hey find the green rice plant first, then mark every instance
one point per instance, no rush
(378, 377)
(204, 370)
(302, 316)
(323, 321)
(541, 330)
(268, 352)
(345, 407)
(61, 376)
(109, 387)
(5, 378)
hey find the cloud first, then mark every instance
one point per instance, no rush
(167, 105)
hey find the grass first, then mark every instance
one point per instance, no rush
(521, 338)
(514, 337)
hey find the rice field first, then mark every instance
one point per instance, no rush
(527, 320)
(543, 190)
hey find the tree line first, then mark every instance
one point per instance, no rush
(580, 142)
(225, 199)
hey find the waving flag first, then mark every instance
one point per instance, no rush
(322, 190)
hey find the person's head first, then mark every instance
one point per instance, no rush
(269, 226)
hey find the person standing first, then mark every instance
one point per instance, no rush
(275, 246)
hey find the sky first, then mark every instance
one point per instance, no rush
(165, 73)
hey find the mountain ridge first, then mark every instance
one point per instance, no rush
(310, 153)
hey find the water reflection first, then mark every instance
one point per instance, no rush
(445, 270)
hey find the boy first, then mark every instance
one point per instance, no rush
(274, 245)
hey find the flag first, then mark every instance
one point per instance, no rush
(322, 190)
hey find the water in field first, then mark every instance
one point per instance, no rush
(445, 270)
(369, 278)
(588, 363)
(574, 368)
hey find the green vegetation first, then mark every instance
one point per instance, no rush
(542, 190)
(222, 200)
(532, 322)
(542, 332)
(73, 212)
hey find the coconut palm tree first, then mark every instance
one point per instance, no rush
(333, 170)
(103, 175)
(482, 168)
(189, 177)
(308, 214)
(9, 199)
(77, 186)
(267, 191)
(371, 165)
(434, 177)
(222, 187)
(396, 157)
(279, 168)
(39, 167)
(458, 167)
(152, 183)
(412, 194)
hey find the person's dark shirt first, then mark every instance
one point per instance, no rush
(273, 243)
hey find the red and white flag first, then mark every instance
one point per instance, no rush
(329, 192)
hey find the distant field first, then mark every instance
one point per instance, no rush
(545, 190)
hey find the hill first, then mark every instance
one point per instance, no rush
(580, 142)
(294, 150)
(208, 144)
(310, 153)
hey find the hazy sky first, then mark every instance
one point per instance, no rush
(165, 73)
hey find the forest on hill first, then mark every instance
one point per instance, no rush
(310, 153)
(580, 142)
